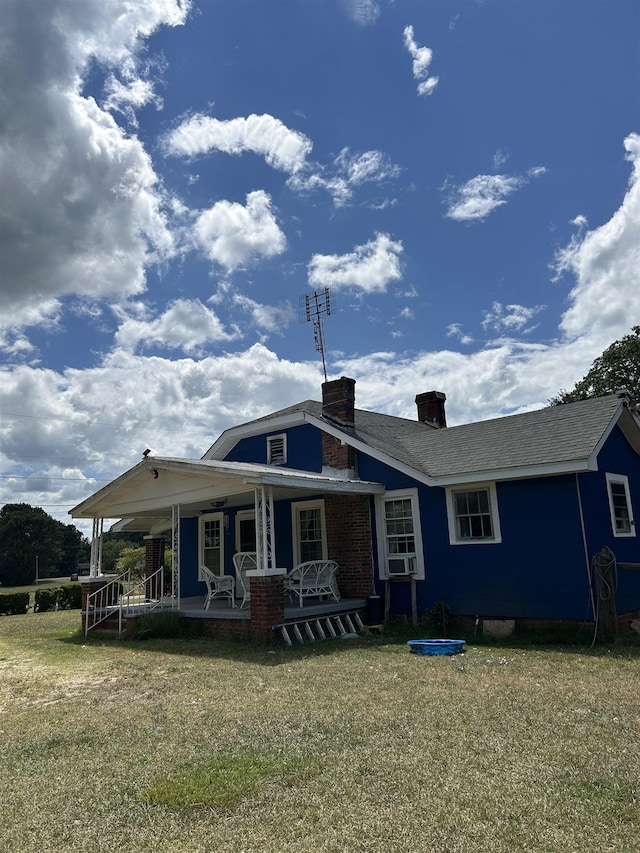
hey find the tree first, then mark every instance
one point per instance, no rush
(113, 544)
(27, 533)
(75, 548)
(617, 368)
(131, 562)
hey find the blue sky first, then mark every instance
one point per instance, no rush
(176, 176)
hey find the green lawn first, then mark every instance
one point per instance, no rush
(346, 746)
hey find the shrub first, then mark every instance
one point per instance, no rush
(46, 599)
(70, 597)
(14, 603)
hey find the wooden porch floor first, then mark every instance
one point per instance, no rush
(193, 608)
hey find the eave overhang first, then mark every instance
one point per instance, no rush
(157, 483)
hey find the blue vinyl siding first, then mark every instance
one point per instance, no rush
(616, 457)
(189, 583)
(538, 570)
(304, 448)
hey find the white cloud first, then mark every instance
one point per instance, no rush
(480, 196)
(369, 166)
(369, 267)
(455, 330)
(231, 235)
(128, 96)
(90, 216)
(362, 12)
(187, 324)
(347, 171)
(536, 171)
(580, 221)
(89, 425)
(270, 318)
(509, 318)
(422, 57)
(500, 158)
(282, 148)
(605, 300)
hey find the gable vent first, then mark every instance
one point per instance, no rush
(276, 449)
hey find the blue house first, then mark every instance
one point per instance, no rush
(525, 517)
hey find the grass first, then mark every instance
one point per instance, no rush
(42, 584)
(190, 745)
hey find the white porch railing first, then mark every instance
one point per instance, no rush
(143, 597)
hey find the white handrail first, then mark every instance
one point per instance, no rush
(102, 603)
(152, 596)
(143, 597)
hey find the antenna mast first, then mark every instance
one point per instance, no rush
(315, 305)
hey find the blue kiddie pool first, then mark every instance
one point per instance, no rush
(435, 647)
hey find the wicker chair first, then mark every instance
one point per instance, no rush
(243, 561)
(222, 586)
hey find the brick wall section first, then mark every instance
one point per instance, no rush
(153, 559)
(227, 629)
(340, 457)
(349, 543)
(338, 402)
(267, 604)
(431, 408)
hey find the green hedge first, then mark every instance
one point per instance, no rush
(67, 597)
(46, 599)
(70, 597)
(12, 603)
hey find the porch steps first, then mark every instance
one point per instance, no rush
(321, 628)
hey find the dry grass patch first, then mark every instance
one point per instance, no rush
(202, 746)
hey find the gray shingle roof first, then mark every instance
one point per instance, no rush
(562, 437)
(555, 435)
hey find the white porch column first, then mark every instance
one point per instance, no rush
(265, 529)
(175, 554)
(95, 565)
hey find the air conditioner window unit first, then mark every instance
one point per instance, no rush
(399, 566)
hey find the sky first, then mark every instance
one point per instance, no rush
(176, 176)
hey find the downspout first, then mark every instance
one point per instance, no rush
(586, 548)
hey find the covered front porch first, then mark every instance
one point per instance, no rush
(211, 511)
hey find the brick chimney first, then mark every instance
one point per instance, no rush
(338, 408)
(431, 408)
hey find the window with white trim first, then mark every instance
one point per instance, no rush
(620, 505)
(309, 531)
(211, 542)
(472, 514)
(399, 534)
(277, 449)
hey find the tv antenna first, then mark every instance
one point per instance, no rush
(316, 305)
